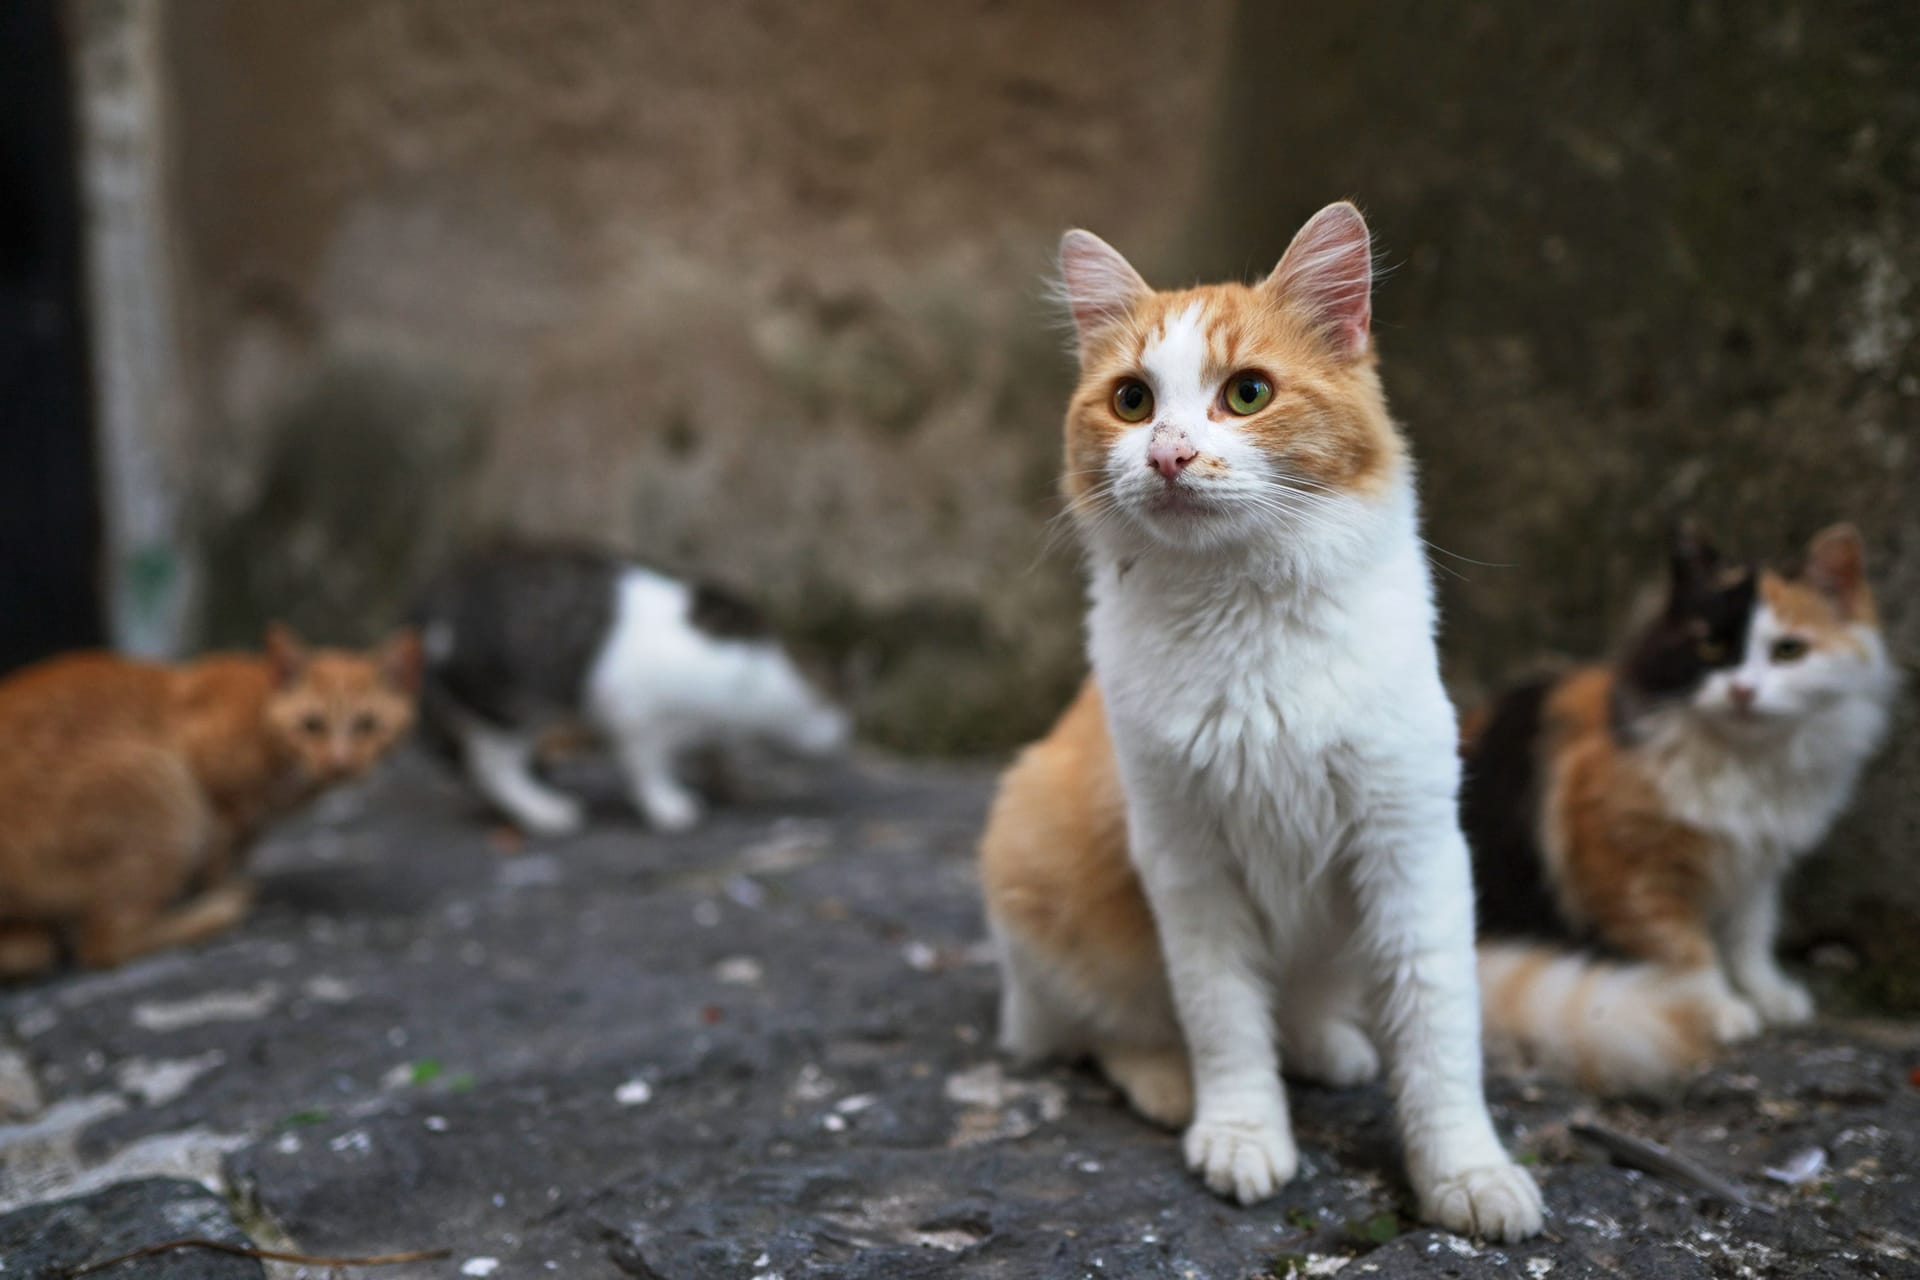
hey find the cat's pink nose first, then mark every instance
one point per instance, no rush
(1741, 695)
(1170, 452)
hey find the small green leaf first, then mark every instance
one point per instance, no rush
(425, 1071)
(1287, 1264)
(304, 1119)
(1378, 1229)
(1303, 1219)
(1527, 1157)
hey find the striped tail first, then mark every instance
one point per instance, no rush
(1611, 1028)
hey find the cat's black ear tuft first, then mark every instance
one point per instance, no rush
(286, 654)
(1691, 554)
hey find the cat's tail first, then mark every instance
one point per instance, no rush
(1610, 1028)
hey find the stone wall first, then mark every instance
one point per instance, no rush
(753, 290)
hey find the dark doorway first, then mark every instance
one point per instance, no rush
(49, 507)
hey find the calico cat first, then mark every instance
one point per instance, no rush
(1650, 809)
(132, 790)
(521, 640)
(1240, 846)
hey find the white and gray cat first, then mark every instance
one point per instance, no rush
(521, 640)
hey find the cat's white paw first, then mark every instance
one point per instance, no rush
(1781, 1001)
(1247, 1155)
(551, 816)
(1733, 1019)
(1335, 1052)
(672, 810)
(1493, 1202)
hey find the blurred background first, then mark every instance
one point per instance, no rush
(295, 300)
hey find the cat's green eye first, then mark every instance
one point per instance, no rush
(1248, 393)
(1132, 401)
(1789, 649)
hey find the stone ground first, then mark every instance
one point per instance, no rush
(764, 1049)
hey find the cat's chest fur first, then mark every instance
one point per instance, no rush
(1767, 803)
(1281, 712)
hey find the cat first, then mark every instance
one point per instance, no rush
(522, 640)
(1652, 806)
(132, 790)
(1240, 845)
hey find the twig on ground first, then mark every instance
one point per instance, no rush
(248, 1251)
(1651, 1157)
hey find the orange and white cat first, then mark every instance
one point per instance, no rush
(132, 790)
(1239, 847)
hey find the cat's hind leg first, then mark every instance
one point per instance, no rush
(500, 763)
(1080, 965)
(1125, 1024)
(1157, 1081)
(1323, 1024)
(140, 825)
(115, 936)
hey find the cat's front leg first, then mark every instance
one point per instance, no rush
(1747, 938)
(1414, 892)
(1241, 1139)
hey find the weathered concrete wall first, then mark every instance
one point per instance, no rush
(750, 289)
(753, 290)
(1643, 257)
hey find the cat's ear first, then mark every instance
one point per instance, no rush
(1691, 555)
(286, 654)
(1327, 272)
(1837, 569)
(1692, 559)
(402, 660)
(1099, 286)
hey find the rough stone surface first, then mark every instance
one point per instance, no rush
(764, 1049)
(43, 1240)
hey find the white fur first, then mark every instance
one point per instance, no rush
(658, 688)
(1266, 656)
(1769, 782)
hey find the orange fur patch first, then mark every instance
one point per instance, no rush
(1619, 863)
(1054, 864)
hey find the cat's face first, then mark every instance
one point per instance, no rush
(1222, 415)
(337, 712)
(1813, 641)
(1752, 652)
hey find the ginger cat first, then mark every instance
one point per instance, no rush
(1240, 845)
(132, 790)
(1648, 810)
